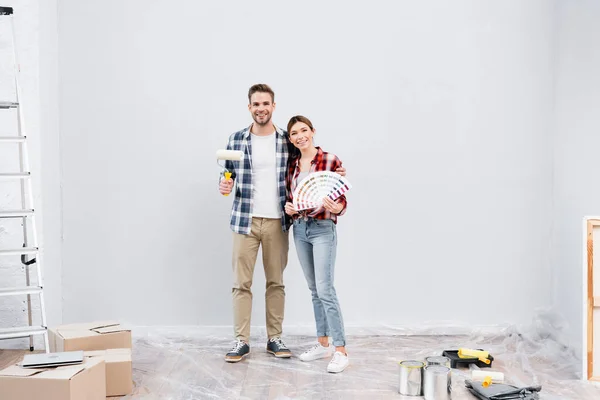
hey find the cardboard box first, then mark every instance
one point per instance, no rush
(83, 381)
(89, 336)
(119, 374)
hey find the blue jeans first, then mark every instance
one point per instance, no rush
(316, 243)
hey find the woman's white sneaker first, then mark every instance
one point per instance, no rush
(338, 363)
(316, 352)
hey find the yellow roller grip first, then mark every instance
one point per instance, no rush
(487, 381)
(227, 177)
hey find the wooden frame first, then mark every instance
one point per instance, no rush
(592, 300)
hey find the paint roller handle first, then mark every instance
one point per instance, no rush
(226, 184)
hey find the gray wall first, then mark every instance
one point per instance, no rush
(441, 112)
(576, 146)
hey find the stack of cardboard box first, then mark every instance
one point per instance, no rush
(106, 370)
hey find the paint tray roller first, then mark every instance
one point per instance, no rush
(228, 155)
(470, 353)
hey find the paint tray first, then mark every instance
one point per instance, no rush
(457, 362)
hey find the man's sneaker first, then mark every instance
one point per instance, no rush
(338, 363)
(316, 352)
(238, 352)
(276, 347)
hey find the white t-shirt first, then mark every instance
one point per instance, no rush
(264, 177)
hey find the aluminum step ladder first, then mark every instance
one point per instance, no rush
(30, 255)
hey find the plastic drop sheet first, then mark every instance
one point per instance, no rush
(188, 363)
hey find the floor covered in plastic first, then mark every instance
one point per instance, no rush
(176, 364)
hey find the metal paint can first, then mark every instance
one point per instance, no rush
(438, 360)
(411, 378)
(437, 383)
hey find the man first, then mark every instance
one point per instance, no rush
(257, 218)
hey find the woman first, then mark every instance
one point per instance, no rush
(316, 241)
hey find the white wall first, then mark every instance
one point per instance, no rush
(50, 159)
(576, 145)
(36, 37)
(451, 88)
(456, 97)
(469, 91)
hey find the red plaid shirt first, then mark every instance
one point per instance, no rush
(323, 161)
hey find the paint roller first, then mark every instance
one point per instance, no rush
(487, 377)
(470, 353)
(228, 155)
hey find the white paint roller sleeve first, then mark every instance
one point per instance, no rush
(230, 155)
(479, 375)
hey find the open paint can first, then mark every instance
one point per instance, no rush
(438, 360)
(437, 383)
(411, 378)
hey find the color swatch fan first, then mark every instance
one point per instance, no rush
(311, 190)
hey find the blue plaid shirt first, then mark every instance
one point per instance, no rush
(241, 210)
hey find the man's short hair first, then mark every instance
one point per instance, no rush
(263, 88)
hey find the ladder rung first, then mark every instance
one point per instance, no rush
(8, 104)
(21, 290)
(12, 333)
(18, 252)
(15, 175)
(12, 139)
(15, 213)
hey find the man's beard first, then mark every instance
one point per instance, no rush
(267, 121)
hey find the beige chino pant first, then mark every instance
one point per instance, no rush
(266, 232)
